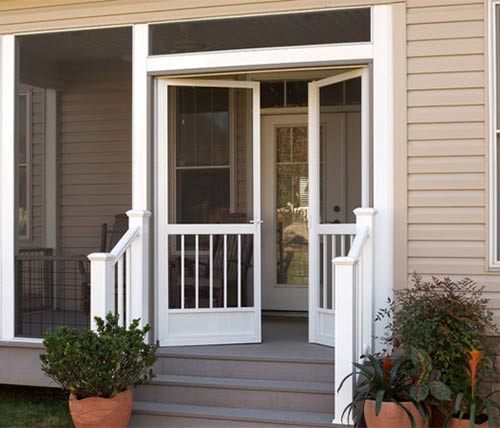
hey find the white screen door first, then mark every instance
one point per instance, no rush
(208, 204)
(338, 183)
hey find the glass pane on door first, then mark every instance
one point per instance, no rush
(340, 151)
(292, 201)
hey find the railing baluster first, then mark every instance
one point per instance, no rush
(196, 273)
(120, 288)
(325, 271)
(211, 272)
(334, 254)
(128, 297)
(239, 270)
(342, 246)
(182, 272)
(225, 271)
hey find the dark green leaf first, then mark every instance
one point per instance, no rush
(419, 394)
(379, 398)
(440, 391)
(472, 411)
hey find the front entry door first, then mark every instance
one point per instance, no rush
(285, 206)
(208, 215)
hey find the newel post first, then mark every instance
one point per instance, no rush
(139, 269)
(344, 334)
(102, 290)
(365, 217)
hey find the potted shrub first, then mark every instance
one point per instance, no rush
(394, 392)
(98, 369)
(471, 408)
(445, 318)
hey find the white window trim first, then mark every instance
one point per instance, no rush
(494, 134)
(28, 164)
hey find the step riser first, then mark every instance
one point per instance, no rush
(270, 370)
(236, 398)
(156, 421)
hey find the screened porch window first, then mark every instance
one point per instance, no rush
(266, 31)
(202, 155)
(495, 138)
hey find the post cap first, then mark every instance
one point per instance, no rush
(138, 213)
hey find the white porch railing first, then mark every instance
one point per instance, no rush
(353, 304)
(118, 279)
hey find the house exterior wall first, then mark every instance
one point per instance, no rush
(94, 154)
(448, 141)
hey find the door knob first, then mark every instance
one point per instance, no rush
(336, 208)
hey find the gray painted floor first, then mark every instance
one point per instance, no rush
(283, 338)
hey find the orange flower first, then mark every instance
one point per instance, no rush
(474, 357)
(387, 365)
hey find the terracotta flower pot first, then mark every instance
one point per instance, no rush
(391, 416)
(437, 419)
(464, 423)
(98, 412)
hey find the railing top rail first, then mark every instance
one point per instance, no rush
(211, 229)
(44, 258)
(359, 240)
(336, 229)
(125, 241)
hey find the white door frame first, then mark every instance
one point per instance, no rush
(176, 327)
(321, 320)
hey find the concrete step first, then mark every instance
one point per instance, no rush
(239, 392)
(156, 415)
(245, 367)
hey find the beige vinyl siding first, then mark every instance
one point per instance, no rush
(447, 142)
(37, 170)
(95, 155)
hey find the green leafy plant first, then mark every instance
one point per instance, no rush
(398, 380)
(469, 404)
(426, 386)
(99, 363)
(443, 317)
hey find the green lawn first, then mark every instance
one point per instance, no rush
(23, 407)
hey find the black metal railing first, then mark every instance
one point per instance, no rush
(51, 291)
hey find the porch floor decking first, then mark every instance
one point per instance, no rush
(283, 338)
